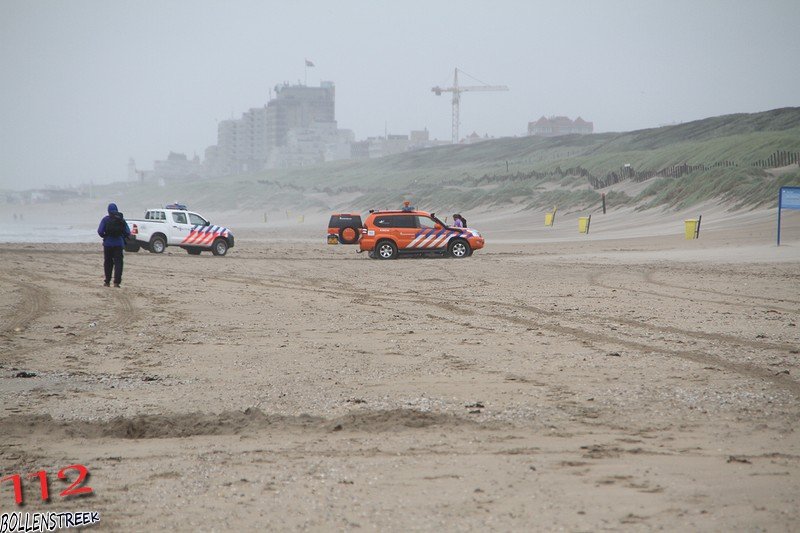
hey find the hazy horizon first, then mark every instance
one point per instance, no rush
(88, 84)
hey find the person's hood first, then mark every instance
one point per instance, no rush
(112, 208)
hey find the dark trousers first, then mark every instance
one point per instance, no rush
(113, 262)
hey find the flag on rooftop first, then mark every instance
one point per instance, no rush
(309, 63)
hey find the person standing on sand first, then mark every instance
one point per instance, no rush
(114, 230)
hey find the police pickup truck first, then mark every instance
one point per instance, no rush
(174, 225)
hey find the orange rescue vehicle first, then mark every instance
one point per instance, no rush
(388, 234)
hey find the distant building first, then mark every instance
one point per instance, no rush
(295, 128)
(359, 150)
(555, 126)
(298, 106)
(241, 144)
(212, 162)
(475, 138)
(305, 145)
(134, 174)
(383, 146)
(177, 167)
(132, 169)
(339, 148)
(419, 137)
(42, 195)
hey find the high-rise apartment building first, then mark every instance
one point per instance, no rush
(242, 143)
(293, 128)
(298, 106)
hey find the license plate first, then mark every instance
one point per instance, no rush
(333, 239)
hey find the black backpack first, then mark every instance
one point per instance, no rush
(115, 225)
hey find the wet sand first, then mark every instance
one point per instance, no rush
(582, 383)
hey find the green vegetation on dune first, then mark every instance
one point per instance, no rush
(741, 149)
(716, 127)
(740, 140)
(740, 187)
(530, 172)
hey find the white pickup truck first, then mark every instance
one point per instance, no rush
(177, 227)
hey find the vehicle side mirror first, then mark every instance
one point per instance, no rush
(208, 223)
(439, 226)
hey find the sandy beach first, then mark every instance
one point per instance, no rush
(628, 379)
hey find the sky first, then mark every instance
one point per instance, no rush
(87, 84)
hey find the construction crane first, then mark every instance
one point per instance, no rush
(457, 89)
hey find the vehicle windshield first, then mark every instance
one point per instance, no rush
(440, 222)
(426, 222)
(197, 220)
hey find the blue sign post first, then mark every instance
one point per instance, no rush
(788, 198)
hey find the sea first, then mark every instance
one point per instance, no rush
(17, 232)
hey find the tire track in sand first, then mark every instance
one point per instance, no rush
(35, 302)
(456, 307)
(648, 277)
(703, 358)
(745, 369)
(125, 311)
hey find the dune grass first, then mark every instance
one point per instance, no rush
(739, 187)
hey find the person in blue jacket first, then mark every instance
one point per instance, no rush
(114, 230)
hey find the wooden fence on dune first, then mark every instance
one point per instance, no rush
(627, 173)
(778, 159)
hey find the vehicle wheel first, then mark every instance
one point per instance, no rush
(459, 248)
(157, 245)
(349, 235)
(386, 250)
(193, 251)
(220, 247)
